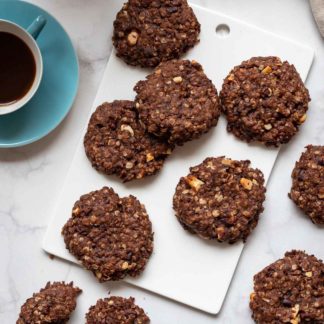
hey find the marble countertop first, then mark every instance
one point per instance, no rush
(32, 176)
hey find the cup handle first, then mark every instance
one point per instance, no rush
(36, 26)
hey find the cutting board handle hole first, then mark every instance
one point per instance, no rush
(223, 30)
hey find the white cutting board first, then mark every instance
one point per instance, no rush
(183, 267)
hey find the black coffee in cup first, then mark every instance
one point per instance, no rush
(17, 68)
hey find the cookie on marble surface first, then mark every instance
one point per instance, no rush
(290, 290)
(116, 143)
(111, 236)
(149, 32)
(52, 304)
(264, 100)
(116, 310)
(307, 189)
(220, 199)
(177, 101)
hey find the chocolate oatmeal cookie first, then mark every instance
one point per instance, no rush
(149, 32)
(307, 189)
(52, 304)
(264, 100)
(220, 199)
(290, 290)
(111, 236)
(116, 143)
(177, 101)
(116, 310)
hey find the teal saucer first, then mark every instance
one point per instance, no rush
(59, 84)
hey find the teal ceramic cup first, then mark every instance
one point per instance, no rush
(28, 36)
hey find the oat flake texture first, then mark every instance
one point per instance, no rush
(52, 304)
(177, 101)
(264, 100)
(111, 236)
(147, 32)
(116, 310)
(220, 199)
(307, 189)
(290, 290)
(117, 143)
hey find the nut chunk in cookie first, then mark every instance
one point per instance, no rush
(220, 199)
(149, 32)
(116, 310)
(290, 290)
(264, 100)
(117, 143)
(52, 304)
(177, 101)
(111, 236)
(307, 189)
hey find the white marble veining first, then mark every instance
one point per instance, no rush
(31, 176)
